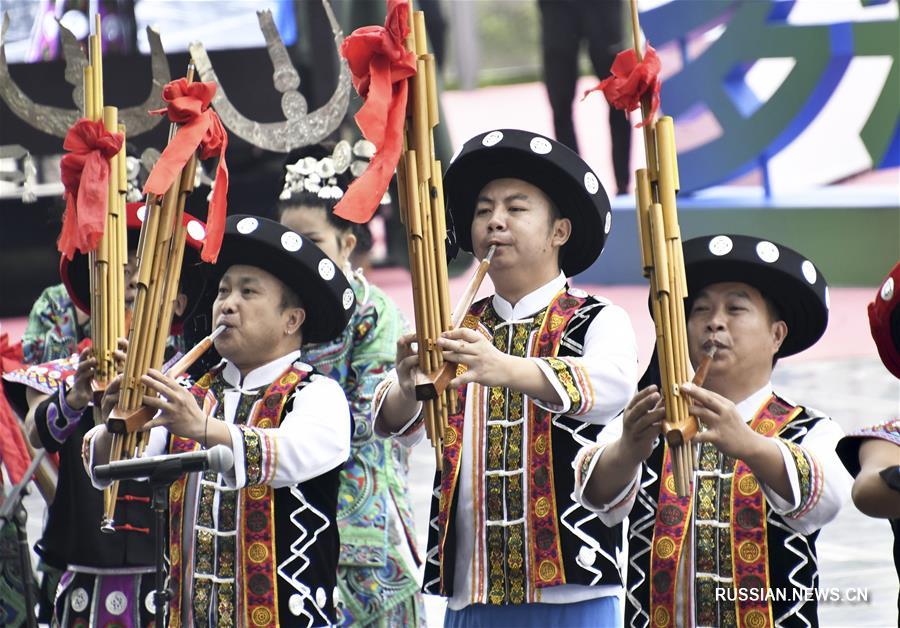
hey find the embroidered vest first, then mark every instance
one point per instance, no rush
(546, 554)
(257, 588)
(748, 535)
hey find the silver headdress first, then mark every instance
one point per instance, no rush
(57, 120)
(321, 176)
(299, 128)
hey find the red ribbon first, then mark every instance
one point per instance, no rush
(380, 64)
(632, 79)
(85, 174)
(188, 106)
(13, 451)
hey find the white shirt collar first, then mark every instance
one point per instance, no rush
(532, 302)
(260, 376)
(749, 406)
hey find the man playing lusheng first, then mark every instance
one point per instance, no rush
(741, 550)
(545, 367)
(258, 545)
(103, 576)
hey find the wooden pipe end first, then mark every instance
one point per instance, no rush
(433, 386)
(681, 434)
(125, 421)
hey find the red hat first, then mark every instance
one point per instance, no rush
(884, 321)
(75, 275)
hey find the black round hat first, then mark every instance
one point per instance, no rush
(793, 283)
(326, 294)
(544, 163)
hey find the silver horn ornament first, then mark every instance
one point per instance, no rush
(57, 120)
(299, 128)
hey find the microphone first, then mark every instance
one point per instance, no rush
(219, 458)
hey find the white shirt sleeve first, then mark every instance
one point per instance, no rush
(596, 386)
(412, 431)
(586, 460)
(313, 437)
(822, 489)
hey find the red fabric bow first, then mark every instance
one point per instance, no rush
(380, 65)
(631, 79)
(188, 105)
(85, 174)
(13, 451)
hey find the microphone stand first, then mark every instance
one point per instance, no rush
(13, 511)
(160, 482)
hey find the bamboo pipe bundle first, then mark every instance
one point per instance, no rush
(107, 263)
(159, 258)
(663, 263)
(421, 200)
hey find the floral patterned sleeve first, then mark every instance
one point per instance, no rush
(377, 329)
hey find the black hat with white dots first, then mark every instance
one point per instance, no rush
(793, 283)
(544, 163)
(326, 295)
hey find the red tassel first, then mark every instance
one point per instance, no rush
(13, 450)
(85, 175)
(630, 81)
(380, 65)
(188, 105)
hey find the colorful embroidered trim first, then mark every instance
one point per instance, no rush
(672, 515)
(749, 549)
(542, 517)
(257, 505)
(810, 477)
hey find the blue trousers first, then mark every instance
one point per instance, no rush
(601, 612)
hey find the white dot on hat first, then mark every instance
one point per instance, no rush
(607, 225)
(721, 245)
(767, 251)
(347, 299)
(196, 230)
(541, 145)
(887, 290)
(291, 241)
(492, 138)
(321, 597)
(247, 225)
(591, 184)
(142, 212)
(809, 271)
(326, 269)
(827, 299)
